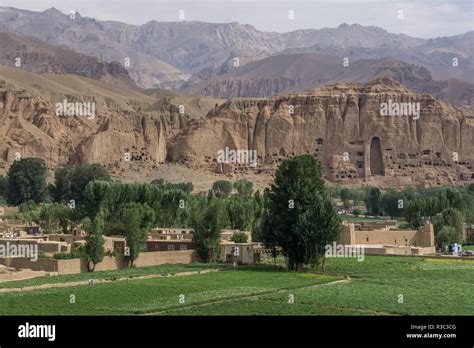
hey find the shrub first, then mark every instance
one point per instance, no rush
(239, 237)
(74, 254)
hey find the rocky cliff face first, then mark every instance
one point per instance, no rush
(341, 125)
(128, 132)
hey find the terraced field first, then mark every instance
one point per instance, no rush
(377, 286)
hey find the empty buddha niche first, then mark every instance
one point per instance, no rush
(376, 161)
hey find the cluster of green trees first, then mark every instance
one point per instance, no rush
(26, 181)
(85, 195)
(207, 213)
(296, 214)
(448, 208)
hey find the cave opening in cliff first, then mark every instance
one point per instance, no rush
(376, 160)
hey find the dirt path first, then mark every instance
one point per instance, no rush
(250, 297)
(8, 274)
(102, 281)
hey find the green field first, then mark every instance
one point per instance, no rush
(165, 269)
(428, 286)
(360, 218)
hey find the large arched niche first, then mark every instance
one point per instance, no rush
(376, 157)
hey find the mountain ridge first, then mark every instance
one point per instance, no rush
(181, 50)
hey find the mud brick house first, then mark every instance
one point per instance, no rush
(389, 240)
(159, 233)
(169, 245)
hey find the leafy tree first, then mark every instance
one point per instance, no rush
(356, 212)
(28, 212)
(317, 227)
(446, 236)
(243, 187)
(56, 218)
(207, 220)
(71, 181)
(358, 194)
(26, 181)
(171, 207)
(414, 213)
(295, 201)
(259, 206)
(345, 195)
(137, 219)
(26, 207)
(3, 185)
(239, 237)
(222, 188)
(186, 187)
(452, 217)
(390, 203)
(373, 200)
(454, 198)
(94, 248)
(241, 212)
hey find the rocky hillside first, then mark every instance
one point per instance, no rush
(300, 72)
(108, 41)
(126, 121)
(436, 55)
(134, 133)
(31, 54)
(342, 125)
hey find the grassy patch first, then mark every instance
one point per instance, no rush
(112, 275)
(156, 295)
(428, 287)
(350, 218)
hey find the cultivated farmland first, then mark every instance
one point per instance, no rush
(374, 287)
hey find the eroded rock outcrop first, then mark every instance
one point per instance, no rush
(128, 131)
(342, 125)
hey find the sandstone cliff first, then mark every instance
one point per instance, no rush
(128, 132)
(341, 124)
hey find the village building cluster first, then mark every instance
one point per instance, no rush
(161, 242)
(31, 244)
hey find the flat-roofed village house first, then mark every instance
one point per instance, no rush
(170, 239)
(171, 233)
(379, 239)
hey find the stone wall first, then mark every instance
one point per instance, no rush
(384, 236)
(390, 237)
(47, 265)
(347, 234)
(74, 266)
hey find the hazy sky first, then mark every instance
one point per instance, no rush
(423, 19)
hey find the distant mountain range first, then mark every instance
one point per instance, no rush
(31, 54)
(300, 72)
(167, 105)
(180, 54)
